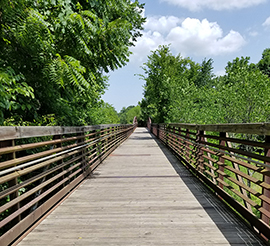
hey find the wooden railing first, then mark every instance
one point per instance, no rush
(41, 165)
(232, 159)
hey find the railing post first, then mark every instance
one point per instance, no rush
(166, 140)
(83, 159)
(200, 152)
(221, 160)
(97, 136)
(180, 148)
(149, 124)
(175, 139)
(127, 132)
(187, 155)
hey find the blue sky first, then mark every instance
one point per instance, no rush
(217, 29)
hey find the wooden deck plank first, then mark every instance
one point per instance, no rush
(141, 196)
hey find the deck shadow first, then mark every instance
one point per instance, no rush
(230, 225)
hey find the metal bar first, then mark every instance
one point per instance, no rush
(239, 178)
(68, 149)
(12, 182)
(32, 202)
(37, 188)
(229, 153)
(266, 192)
(18, 148)
(31, 163)
(37, 177)
(29, 158)
(241, 152)
(241, 141)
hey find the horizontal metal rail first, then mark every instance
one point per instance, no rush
(233, 159)
(40, 165)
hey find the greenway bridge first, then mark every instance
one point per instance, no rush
(167, 184)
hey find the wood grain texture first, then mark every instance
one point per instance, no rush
(251, 128)
(17, 132)
(141, 195)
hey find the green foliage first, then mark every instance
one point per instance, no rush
(179, 90)
(170, 81)
(264, 63)
(61, 49)
(104, 114)
(127, 115)
(15, 94)
(205, 74)
(242, 93)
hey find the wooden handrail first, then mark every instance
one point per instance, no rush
(41, 165)
(250, 128)
(233, 159)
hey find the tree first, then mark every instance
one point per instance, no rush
(63, 47)
(131, 113)
(240, 96)
(104, 114)
(127, 115)
(243, 93)
(168, 80)
(264, 63)
(205, 73)
(15, 94)
(180, 90)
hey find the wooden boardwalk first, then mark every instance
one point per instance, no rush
(141, 195)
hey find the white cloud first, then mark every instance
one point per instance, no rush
(196, 5)
(188, 37)
(162, 24)
(156, 30)
(150, 41)
(267, 22)
(204, 38)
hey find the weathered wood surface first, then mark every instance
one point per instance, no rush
(141, 195)
(18, 132)
(251, 128)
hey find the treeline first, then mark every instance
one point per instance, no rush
(54, 55)
(178, 89)
(126, 115)
(107, 114)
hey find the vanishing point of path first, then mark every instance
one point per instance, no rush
(141, 195)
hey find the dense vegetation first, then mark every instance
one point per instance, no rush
(54, 55)
(178, 89)
(127, 115)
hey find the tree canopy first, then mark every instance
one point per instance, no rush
(54, 55)
(127, 115)
(180, 90)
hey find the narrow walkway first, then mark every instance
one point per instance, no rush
(141, 195)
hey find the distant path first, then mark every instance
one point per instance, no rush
(141, 196)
